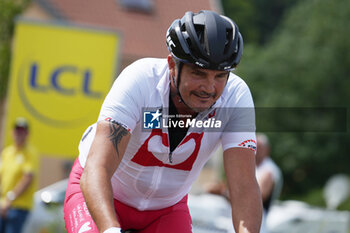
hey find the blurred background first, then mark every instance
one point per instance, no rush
(58, 59)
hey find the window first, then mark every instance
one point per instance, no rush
(139, 5)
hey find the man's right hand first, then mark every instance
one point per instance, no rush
(5, 208)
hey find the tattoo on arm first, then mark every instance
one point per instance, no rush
(117, 132)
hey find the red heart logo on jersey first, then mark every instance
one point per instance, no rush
(146, 158)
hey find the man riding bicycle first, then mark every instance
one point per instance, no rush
(157, 128)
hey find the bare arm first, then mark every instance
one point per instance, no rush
(244, 191)
(106, 152)
(266, 184)
(23, 184)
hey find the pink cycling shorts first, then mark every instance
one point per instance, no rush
(173, 219)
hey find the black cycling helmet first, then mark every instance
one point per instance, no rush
(207, 39)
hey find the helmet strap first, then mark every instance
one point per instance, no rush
(177, 84)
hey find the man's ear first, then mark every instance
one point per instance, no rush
(172, 65)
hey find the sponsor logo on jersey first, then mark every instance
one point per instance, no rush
(148, 158)
(250, 144)
(116, 122)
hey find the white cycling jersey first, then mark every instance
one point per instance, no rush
(149, 176)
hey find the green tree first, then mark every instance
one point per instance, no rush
(257, 19)
(9, 9)
(243, 13)
(306, 64)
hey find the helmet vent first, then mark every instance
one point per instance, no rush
(229, 35)
(189, 42)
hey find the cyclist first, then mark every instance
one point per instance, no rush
(133, 178)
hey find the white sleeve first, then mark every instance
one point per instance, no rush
(240, 129)
(124, 102)
(85, 143)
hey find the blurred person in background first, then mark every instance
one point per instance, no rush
(18, 179)
(269, 176)
(129, 178)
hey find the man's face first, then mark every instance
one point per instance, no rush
(20, 135)
(201, 88)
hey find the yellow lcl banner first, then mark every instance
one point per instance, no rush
(60, 75)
